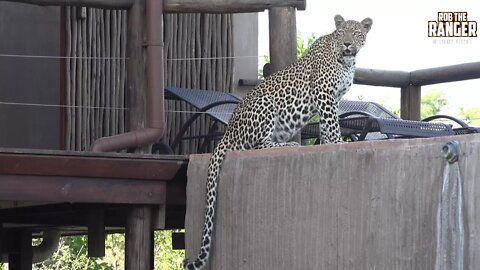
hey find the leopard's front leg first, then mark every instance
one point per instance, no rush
(329, 124)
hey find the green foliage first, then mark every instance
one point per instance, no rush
(432, 103)
(315, 119)
(382, 102)
(165, 257)
(471, 115)
(72, 254)
(395, 111)
(302, 48)
(266, 59)
(304, 44)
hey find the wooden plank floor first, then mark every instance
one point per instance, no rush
(57, 176)
(61, 186)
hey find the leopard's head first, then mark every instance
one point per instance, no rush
(350, 36)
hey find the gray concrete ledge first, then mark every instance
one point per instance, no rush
(364, 205)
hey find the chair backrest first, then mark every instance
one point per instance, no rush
(219, 105)
(365, 107)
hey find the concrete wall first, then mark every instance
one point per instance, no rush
(364, 205)
(245, 36)
(29, 30)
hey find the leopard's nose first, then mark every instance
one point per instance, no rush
(347, 44)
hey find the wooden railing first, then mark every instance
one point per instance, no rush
(410, 83)
(180, 6)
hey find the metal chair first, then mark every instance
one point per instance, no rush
(218, 105)
(359, 120)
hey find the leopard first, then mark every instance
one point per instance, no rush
(273, 112)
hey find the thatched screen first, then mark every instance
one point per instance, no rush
(198, 50)
(95, 75)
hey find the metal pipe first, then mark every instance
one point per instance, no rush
(49, 244)
(155, 114)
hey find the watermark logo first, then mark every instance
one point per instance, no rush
(452, 25)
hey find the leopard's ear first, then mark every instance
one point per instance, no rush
(367, 24)
(338, 20)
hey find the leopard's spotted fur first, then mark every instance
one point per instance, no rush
(274, 111)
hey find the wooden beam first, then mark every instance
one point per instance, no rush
(138, 239)
(108, 4)
(180, 6)
(78, 189)
(378, 77)
(23, 259)
(444, 74)
(410, 102)
(158, 216)
(88, 166)
(391, 78)
(228, 6)
(62, 214)
(178, 241)
(249, 82)
(96, 233)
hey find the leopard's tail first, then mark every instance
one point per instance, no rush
(211, 197)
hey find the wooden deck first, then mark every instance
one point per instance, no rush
(80, 191)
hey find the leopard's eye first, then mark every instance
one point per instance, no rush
(341, 31)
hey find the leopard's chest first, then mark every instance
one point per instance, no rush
(344, 82)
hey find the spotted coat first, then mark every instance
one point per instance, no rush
(274, 112)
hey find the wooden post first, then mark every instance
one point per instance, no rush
(410, 102)
(136, 66)
(138, 239)
(283, 37)
(96, 233)
(2, 239)
(283, 40)
(23, 259)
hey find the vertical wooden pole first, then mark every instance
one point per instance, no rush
(283, 37)
(283, 40)
(410, 102)
(23, 259)
(138, 239)
(63, 111)
(136, 66)
(96, 233)
(1, 239)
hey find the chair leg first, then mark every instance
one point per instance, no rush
(162, 149)
(202, 147)
(366, 129)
